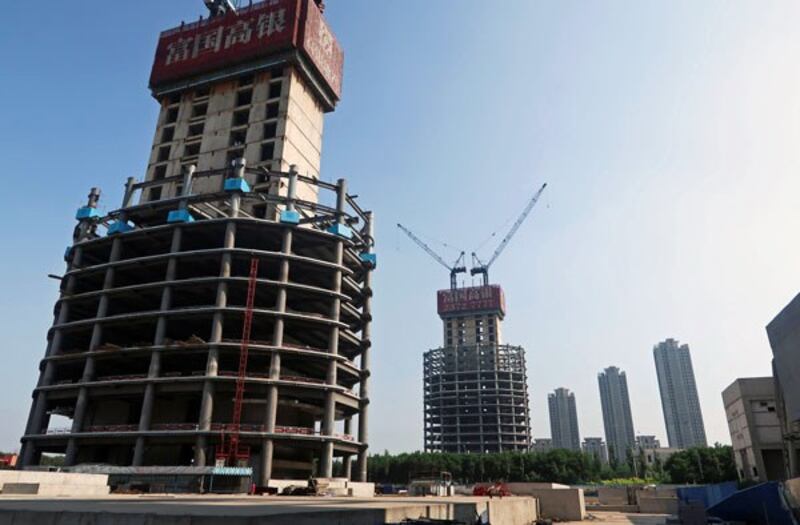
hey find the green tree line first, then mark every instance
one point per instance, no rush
(698, 465)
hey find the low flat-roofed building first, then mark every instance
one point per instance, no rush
(751, 410)
(652, 456)
(647, 442)
(542, 445)
(596, 446)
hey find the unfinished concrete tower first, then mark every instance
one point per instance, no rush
(476, 388)
(144, 353)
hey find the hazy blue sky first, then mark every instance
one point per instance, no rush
(668, 132)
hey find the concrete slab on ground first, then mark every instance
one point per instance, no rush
(621, 518)
(266, 510)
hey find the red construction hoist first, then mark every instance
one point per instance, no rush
(231, 451)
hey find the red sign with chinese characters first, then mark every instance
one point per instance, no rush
(471, 299)
(321, 46)
(254, 32)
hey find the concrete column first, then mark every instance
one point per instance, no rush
(212, 364)
(89, 366)
(366, 334)
(37, 415)
(347, 459)
(329, 417)
(271, 410)
(326, 465)
(146, 416)
(128, 195)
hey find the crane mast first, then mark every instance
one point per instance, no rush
(478, 267)
(454, 269)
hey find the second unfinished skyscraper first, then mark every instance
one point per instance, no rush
(476, 388)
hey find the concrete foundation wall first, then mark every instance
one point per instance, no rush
(560, 504)
(555, 501)
(658, 505)
(613, 495)
(360, 490)
(53, 483)
(512, 511)
(659, 492)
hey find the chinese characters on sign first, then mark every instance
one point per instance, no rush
(323, 48)
(226, 36)
(263, 30)
(468, 299)
(274, 22)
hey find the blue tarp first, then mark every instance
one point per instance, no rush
(762, 505)
(708, 495)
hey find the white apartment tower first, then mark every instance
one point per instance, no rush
(617, 418)
(564, 420)
(679, 400)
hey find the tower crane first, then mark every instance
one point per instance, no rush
(478, 267)
(454, 269)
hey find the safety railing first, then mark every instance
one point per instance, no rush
(112, 428)
(126, 377)
(323, 217)
(175, 426)
(215, 427)
(59, 430)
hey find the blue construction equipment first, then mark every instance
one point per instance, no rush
(369, 258)
(290, 217)
(237, 184)
(763, 504)
(182, 215)
(708, 495)
(119, 227)
(342, 230)
(87, 212)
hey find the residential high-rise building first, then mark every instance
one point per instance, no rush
(752, 412)
(229, 244)
(679, 400)
(595, 446)
(617, 418)
(475, 387)
(564, 420)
